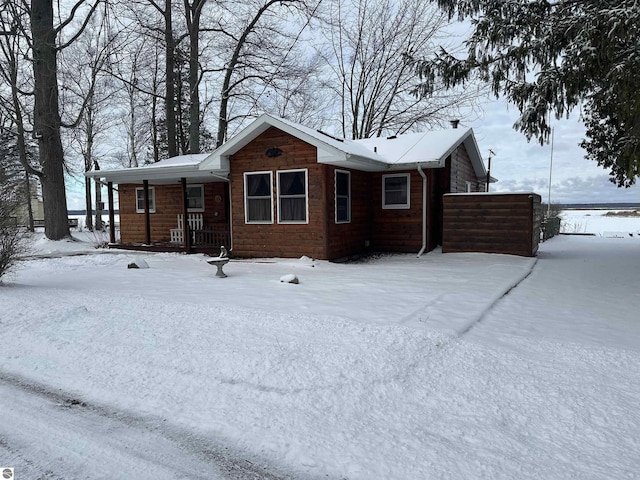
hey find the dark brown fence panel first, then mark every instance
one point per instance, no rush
(492, 223)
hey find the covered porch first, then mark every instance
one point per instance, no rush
(171, 206)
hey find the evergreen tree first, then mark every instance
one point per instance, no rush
(552, 57)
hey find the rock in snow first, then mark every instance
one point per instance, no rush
(291, 278)
(138, 264)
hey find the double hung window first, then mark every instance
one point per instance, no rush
(258, 197)
(292, 196)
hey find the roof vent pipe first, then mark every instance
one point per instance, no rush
(454, 123)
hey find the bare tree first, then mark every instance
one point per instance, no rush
(47, 43)
(254, 52)
(179, 129)
(14, 45)
(193, 14)
(367, 42)
(136, 116)
(166, 12)
(298, 93)
(86, 82)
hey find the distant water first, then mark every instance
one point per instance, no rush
(589, 206)
(93, 212)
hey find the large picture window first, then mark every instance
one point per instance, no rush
(343, 196)
(292, 196)
(395, 190)
(140, 200)
(258, 197)
(195, 198)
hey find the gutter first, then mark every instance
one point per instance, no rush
(424, 211)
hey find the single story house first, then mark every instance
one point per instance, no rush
(281, 189)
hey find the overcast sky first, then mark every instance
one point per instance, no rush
(524, 166)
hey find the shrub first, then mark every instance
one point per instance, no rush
(12, 237)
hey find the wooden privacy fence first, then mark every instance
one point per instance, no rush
(492, 223)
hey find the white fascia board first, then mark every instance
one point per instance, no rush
(160, 174)
(216, 161)
(474, 155)
(413, 166)
(354, 162)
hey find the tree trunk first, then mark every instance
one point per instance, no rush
(99, 223)
(47, 120)
(155, 134)
(194, 104)
(88, 219)
(27, 187)
(193, 13)
(170, 97)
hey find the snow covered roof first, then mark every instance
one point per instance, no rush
(330, 149)
(416, 147)
(164, 171)
(190, 159)
(428, 150)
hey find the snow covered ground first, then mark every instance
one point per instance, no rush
(394, 368)
(599, 222)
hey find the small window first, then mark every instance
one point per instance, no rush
(258, 197)
(468, 187)
(395, 190)
(140, 200)
(343, 196)
(292, 196)
(195, 198)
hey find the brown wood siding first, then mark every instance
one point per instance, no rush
(462, 172)
(492, 223)
(279, 240)
(397, 230)
(353, 238)
(168, 206)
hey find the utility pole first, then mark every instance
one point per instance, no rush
(491, 153)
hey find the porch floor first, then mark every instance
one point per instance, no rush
(166, 247)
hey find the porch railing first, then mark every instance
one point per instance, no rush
(201, 235)
(212, 237)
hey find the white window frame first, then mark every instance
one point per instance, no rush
(246, 198)
(468, 186)
(306, 196)
(348, 173)
(396, 206)
(202, 193)
(152, 200)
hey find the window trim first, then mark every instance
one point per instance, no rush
(306, 196)
(398, 206)
(201, 185)
(348, 173)
(246, 198)
(152, 200)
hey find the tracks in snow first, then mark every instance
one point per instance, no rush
(48, 434)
